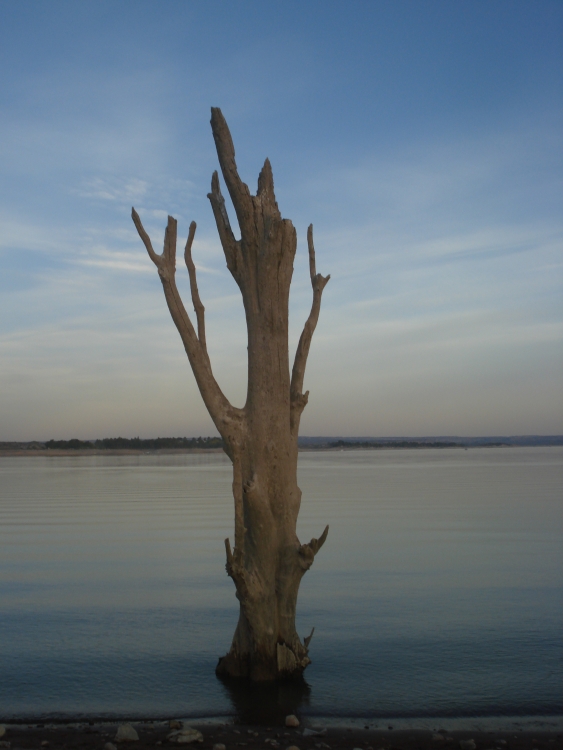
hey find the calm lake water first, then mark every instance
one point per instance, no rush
(438, 592)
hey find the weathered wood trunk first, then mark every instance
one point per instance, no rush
(268, 561)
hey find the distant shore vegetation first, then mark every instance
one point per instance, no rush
(136, 443)
(397, 444)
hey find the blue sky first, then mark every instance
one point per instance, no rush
(422, 139)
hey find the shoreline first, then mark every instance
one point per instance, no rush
(312, 734)
(478, 723)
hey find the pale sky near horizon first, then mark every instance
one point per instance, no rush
(422, 139)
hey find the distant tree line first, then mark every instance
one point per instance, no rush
(137, 443)
(392, 444)
(410, 444)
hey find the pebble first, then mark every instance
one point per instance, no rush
(219, 746)
(185, 736)
(45, 743)
(109, 746)
(2, 730)
(175, 724)
(467, 745)
(291, 721)
(126, 733)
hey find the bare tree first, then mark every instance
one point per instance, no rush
(268, 560)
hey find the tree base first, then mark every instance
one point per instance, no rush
(283, 664)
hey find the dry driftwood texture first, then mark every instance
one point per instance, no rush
(268, 560)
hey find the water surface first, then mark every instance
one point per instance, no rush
(438, 592)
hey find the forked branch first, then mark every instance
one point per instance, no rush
(156, 259)
(198, 305)
(318, 282)
(227, 419)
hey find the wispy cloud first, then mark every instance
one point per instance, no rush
(133, 189)
(117, 261)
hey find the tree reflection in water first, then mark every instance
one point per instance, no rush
(265, 703)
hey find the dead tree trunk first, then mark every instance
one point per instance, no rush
(267, 561)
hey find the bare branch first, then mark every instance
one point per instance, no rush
(230, 559)
(312, 260)
(318, 282)
(198, 306)
(316, 544)
(228, 241)
(308, 551)
(266, 188)
(238, 190)
(307, 640)
(144, 236)
(170, 239)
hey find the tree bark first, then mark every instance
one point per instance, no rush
(268, 560)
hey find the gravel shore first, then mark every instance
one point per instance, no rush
(239, 737)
